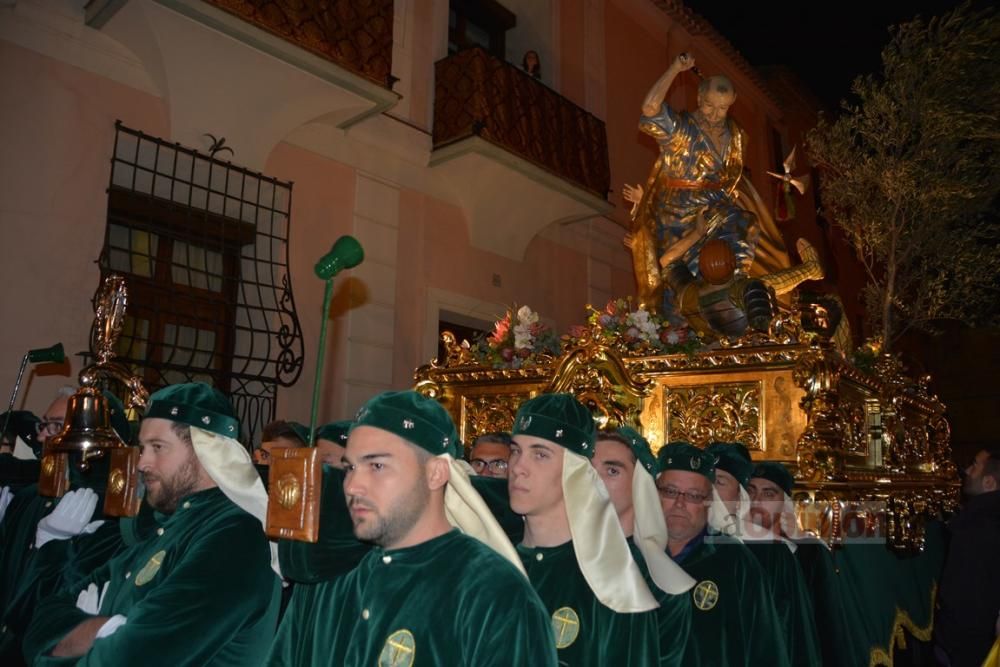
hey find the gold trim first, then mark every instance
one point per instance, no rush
(897, 637)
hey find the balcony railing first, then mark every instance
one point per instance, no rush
(354, 34)
(477, 94)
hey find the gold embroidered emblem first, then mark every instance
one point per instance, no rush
(116, 481)
(565, 626)
(289, 491)
(150, 569)
(706, 595)
(399, 650)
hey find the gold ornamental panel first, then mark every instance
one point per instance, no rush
(702, 413)
(756, 406)
(488, 413)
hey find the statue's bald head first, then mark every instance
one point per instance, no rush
(718, 84)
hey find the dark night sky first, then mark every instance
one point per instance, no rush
(827, 44)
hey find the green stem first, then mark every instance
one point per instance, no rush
(327, 298)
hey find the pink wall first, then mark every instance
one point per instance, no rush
(57, 133)
(322, 211)
(434, 244)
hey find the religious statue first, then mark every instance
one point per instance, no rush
(698, 174)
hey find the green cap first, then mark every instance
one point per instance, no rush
(775, 472)
(734, 458)
(413, 417)
(195, 404)
(119, 418)
(640, 447)
(559, 418)
(335, 432)
(687, 457)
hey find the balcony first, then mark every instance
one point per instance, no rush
(252, 71)
(519, 155)
(355, 35)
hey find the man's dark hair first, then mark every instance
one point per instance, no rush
(282, 429)
(499, 438)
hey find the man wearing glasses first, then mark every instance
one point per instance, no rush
(734, 620)
(489, 455)
(55, 415)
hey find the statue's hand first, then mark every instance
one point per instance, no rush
(632, 195)
(683, 62)
(628, 240)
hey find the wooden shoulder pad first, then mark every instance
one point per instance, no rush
(293, 499)
(122, 494)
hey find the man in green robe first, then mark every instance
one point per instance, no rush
(336, 550)
(626, 465)
(48, 542)
(734, 621)
(574, 549)
(733, 466)
(199, 591)
(769, 488)
(426, 593)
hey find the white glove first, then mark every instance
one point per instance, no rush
(110, 626)
(5, 497)
(89, 601)
(70, 518)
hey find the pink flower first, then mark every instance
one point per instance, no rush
(577, 330)
(500, 331)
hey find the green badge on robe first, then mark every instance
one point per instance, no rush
(565, 626)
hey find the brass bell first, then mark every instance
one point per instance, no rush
(87, 430)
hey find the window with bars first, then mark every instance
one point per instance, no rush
(203, 245)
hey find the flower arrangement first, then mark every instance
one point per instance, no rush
(518, 338)
(634, 329)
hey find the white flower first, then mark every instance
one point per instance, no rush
(673, 338)
(526, 316)
(522, 336)
(640, 320)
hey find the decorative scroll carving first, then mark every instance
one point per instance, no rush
(355, 34)
(479, 95)
(703, 413)
(488, 414)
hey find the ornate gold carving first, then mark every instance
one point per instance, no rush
(818, 373)
(857, 438)
(596, 375)
(727, 412)
(488, 413)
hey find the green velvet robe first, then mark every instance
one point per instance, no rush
(28, 574)
(587, 632)
(861, 590)
(673, 617)
(734, 620)
(200, 591)
(448, 601)
(494, 491)
(336, 551)
(791, 600)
